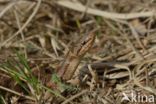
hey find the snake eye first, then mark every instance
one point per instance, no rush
(83, 43)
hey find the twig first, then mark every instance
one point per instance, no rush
(81, 8)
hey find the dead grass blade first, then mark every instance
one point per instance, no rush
(81, 8)
(75, 96)
(55, 46)
(7, 8)
(25, 24)
(16, 93)
(147, 88)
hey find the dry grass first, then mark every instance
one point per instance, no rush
(121, 59)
